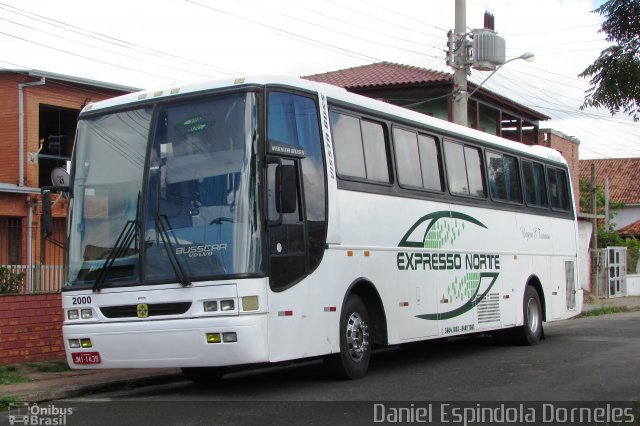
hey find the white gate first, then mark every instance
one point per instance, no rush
(617, 271)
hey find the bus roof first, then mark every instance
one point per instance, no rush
(332, 92)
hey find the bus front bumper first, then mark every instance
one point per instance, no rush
(168, 343)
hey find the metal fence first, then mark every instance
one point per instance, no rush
(22, 251)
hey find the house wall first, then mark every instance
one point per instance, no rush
(31, 328)
(633, 285)
(585, 230)
(9, 130)
(626, 216)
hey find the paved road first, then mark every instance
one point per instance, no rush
(588, 359)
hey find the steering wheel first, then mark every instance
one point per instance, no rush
(219, 220)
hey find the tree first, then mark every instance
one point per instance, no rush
(615, 75)
(586, 206)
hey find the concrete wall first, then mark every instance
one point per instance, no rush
(626, 216)
(633, 285)
(30, 328)
(584, 261)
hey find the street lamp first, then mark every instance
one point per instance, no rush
(527, 56)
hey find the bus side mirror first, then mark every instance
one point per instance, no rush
(47, 220)
(286, 185)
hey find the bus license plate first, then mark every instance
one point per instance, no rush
(86, 358)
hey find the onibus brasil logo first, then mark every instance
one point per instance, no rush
(432, 235)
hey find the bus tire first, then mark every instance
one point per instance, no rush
(203, 375)
(531, 331)
(355, 344)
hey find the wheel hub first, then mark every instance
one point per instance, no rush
(357, 337)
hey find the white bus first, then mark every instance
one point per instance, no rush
(270, 219)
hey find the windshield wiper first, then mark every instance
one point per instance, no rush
(126, 237)
(163, 230)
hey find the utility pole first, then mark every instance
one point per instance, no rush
(459, 108)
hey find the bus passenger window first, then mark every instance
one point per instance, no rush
(504, 181)
(558, 189)
(535, 188)
(464, 169)
(360, 147)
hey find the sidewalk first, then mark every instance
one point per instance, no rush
(69, 384)
(631, 303)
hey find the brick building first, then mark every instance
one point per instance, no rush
(38, 114)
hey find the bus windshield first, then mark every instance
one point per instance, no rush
(191, 215)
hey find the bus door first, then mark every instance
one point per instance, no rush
(296, 222)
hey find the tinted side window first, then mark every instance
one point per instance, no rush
(504, 181)
(558, 189)
(430, 162)
(535, 188)
(407, 157)
(464, 169)
(347, 139)
(360, 147)
(375, 151)
(293, 131)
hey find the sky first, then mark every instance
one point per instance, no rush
(149, 44)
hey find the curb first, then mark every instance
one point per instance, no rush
(75, 390)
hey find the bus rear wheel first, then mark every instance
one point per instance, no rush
(355, 345)
(531, 331)
(203, 375)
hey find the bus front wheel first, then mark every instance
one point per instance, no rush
(531, 331)
(355, 345)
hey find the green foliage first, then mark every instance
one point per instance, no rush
(605, 310)
(10, 282)
(615, 75)
(585, 200)
(633, 254)
(50, 367)
(608, 237)
(9, 375)
(6, 401)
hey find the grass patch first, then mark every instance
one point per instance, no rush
(50, 367)
(605, 310)
(9, 375)
(5, 400)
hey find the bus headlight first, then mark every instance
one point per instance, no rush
(227, 305)
(86, 313)
(250, 303)
(72, 314)
(210, 305)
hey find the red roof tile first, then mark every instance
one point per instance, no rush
(623, 174)
(632, 230)
(380, 74)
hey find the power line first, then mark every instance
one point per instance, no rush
(108, 39)
(360, 12)
(106, 50)
(340, 32)
(288, 33)
(87, 57)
